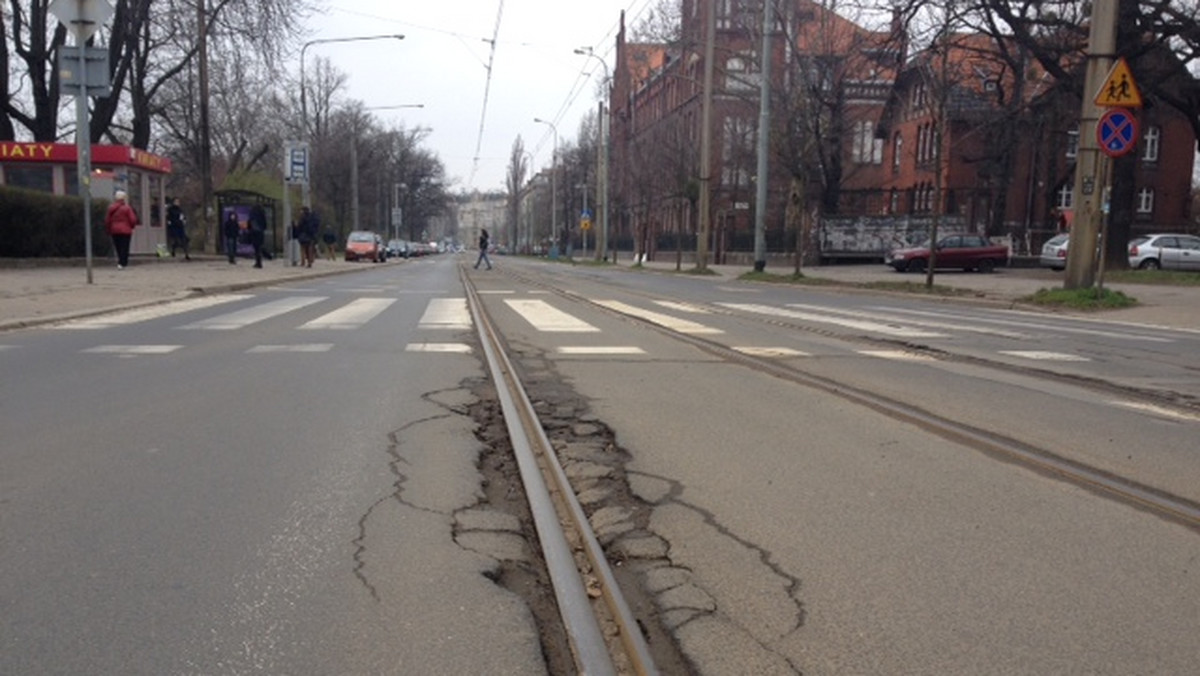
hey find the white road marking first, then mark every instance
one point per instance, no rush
(1031, 323)
(896, 355)
(250, 315)
(600, 350)
(497, 292)
(446, 313)
(771, 352)
(545, 317)
(152, 312)
(8, 347)
(683, 307)
(960, 326)
(1041, 355)
(132, 349)
(1162, 411)
(667, 321)
(862, 325)
(352, 315)
(460, 348)
(302, 347)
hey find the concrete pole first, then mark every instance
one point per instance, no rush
(706, 140)
(1089, 184)
(764, 131)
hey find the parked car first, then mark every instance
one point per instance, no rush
(397, 248)
(1166, 251)
(1054, 252)
(364, 245)
(967, 252)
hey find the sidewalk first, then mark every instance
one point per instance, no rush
(32, 294)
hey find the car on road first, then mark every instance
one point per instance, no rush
(966, 252)
(397, 248)
(1054, 252)
(1167, 251)
(364, 245)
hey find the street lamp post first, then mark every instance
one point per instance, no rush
(304, 84)
(605, 140)
(554, 182)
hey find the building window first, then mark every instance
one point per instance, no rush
(1150, 144)
(1073, 142)
(1064, 198)
(897, 150)
(1145, 201)
(865, 148)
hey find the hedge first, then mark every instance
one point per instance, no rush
(35, 224)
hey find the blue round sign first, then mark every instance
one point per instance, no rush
(1117, 132)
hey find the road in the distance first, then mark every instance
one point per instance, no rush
(264, 485)
(807, 533)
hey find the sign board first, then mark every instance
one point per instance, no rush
(295, 163)
(1117, 132)
(81, 17)
(92, 74)
(585, 224)
(1119, 89)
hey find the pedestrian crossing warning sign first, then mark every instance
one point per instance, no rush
(1119, 89)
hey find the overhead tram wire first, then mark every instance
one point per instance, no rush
(487, 88)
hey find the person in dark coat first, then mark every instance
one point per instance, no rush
(230, 230)
(484, 241)
(119, 222)
(257, 226)
(306, 233)
(177, 229)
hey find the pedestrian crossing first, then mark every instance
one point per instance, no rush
(547, 314)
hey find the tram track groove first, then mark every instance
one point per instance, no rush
(553, 503)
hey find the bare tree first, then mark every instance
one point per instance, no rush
(515, 182)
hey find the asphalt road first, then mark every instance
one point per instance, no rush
(280, 479)
(227, 490)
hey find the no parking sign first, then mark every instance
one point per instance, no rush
(1117, 132)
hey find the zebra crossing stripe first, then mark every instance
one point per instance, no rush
(578, 350)
(545, 317)
(666, 321)
(446, 313)
(145, 313)
(896, 355)
(130, 350)
(458, 348)
(352, 315)
(1040, 355)
(772, 352)
(302, 347)
(858, 324)
(258, 313)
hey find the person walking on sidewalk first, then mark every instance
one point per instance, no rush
(483, 248)
(177, 229)
(230, 230)
(329, 237)
(257, 227)
(119, 223)
(306, 232)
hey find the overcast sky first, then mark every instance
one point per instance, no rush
(442, 64)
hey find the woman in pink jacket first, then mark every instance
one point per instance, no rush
(119, 224)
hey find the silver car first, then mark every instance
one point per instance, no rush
(1166, 251)
(1054, 252)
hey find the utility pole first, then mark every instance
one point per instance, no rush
(764, 130)
(706, 140)
(1089, 186)
(206, 186)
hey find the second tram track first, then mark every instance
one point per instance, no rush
(1173, 507)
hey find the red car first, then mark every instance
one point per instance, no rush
(965, 252)
(363, 245)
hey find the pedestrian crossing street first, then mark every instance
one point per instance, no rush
(539, 311)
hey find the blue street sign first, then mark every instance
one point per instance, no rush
(1117, 132)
